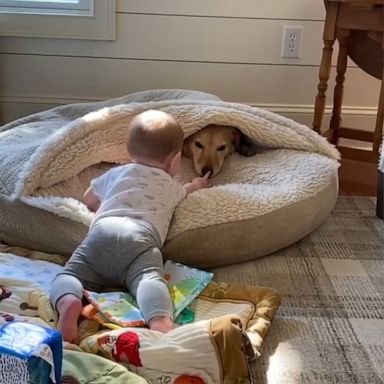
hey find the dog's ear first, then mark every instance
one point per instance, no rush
(187, 147)
(236, 136)
(244, 145)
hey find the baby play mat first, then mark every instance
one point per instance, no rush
(257, 205)
(218, 347)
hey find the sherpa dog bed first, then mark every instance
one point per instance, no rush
(256, 206)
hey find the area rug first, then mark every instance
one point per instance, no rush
(330, 325)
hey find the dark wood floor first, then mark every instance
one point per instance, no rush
(357, 178)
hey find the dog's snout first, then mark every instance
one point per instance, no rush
(205, 170)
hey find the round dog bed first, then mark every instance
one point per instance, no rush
(256, 205)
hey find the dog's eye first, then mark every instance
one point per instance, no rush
(221, 148)
(198, 144)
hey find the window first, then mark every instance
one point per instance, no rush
(52, 7)
(81, 19)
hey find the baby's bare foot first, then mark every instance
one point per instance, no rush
(161, 323)
(69, 308)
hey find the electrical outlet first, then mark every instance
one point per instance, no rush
(292, 41)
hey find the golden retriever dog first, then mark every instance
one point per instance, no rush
(209, 147)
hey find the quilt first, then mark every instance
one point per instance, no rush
(229, 327)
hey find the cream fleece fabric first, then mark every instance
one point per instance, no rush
(51, 177)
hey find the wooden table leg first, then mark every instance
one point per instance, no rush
(378, 135)
(342, 60)
(380, 196)
(329, 37)
(377, 141)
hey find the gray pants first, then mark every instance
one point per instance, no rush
(118, 252)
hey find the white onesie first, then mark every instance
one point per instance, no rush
(140, 192)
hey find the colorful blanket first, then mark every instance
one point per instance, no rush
(227, 333)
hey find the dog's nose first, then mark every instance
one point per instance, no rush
(205, 170)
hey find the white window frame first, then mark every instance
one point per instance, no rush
(50, 7)
(86, 19)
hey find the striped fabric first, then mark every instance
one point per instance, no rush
(330, 325)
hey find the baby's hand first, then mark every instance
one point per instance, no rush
(197, 183)
(201, 182)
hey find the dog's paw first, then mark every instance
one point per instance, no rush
(247, 151)
(247, 147)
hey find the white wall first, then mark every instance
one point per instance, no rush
(231, 49)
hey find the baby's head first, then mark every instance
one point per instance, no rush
(155, 138)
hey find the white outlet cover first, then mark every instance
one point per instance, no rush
(292, 41)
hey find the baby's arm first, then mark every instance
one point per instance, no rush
(197, 183)
(91, 200)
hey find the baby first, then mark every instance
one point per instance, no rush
(133, 207)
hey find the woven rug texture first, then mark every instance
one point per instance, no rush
(330, 325)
